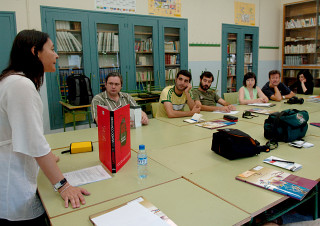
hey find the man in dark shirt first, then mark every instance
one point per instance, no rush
(276, 90)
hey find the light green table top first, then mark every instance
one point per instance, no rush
(123, 182)
(183, 202)
(220, 178)
(189, 157)
(64, 139)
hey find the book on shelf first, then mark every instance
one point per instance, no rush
(277, 181)
(114, 137)
(131, 213)
(263, 104)
(261, 111)
(285, 164)
(214, 124)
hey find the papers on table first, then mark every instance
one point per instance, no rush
(137, 212)
(226, 113)
(87, 175)
(289, 166)
(263, 104)
(195, 118)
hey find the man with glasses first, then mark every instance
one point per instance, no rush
(112, 98)
(209, 98)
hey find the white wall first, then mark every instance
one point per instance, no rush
(205, 18)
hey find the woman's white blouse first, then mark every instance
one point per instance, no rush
(21, 139)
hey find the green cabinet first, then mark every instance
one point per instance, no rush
(144, 49)
(239, 55)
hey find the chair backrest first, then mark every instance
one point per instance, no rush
(232, 98)
(154, 108)
(316, 91)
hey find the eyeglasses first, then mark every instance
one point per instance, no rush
(248, 115)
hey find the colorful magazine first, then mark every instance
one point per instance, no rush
(261, 111)
(215, 124)
(284, 183)
(317, 124)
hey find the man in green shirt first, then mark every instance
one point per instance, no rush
(209, 98)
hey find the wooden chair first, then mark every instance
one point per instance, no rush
(154, 108)
(71, 113)
(316, 91)
(232, 98)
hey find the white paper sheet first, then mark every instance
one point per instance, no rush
(131, 214)
(226, 113)
(87, 175)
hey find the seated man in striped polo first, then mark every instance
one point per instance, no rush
(173, 98)
(112, 98)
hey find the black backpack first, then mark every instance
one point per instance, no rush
(234, 144)
(79, 90)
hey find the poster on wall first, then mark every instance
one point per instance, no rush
(244, 13)
(119, 6)
(165, 7)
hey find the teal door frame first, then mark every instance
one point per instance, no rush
(9, 28)
(241, 31)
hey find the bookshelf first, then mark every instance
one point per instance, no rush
(97, 43)
(172, 54)
(144, 62)
(300, 41)
(239, 55)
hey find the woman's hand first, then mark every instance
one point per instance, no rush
(74, 195)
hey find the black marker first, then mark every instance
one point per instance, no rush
(278, 160)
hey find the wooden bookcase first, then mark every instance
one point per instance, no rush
(301, 41)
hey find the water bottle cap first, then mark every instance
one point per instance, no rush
(141, 147)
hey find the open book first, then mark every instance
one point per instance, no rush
(261, 111)
(215, 124)
(131, 213)
(263, 104)
(284, 183)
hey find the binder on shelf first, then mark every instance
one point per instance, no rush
(277, 181)
(114, 137)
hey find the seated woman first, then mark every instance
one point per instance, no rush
(250, 93)
(304, 83)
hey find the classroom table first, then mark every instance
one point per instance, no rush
(183, 202)
(123, 182)
(188, 181)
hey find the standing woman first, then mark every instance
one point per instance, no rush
(23, 147)
(250, 93)
(304, 83)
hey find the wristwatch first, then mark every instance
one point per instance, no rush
(60, 184)
(283, 97)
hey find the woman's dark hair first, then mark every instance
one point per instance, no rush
(306, 74)
(23, 60)
(247, 76)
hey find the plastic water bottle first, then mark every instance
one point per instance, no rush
(142, 162)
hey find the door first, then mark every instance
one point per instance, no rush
(7, 24)
(173, 47)
(68, 29)
(109, 48)
(239, 55)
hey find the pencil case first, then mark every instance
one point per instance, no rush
(230, 118)
(79, 147)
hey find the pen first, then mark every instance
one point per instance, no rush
(278, 160)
